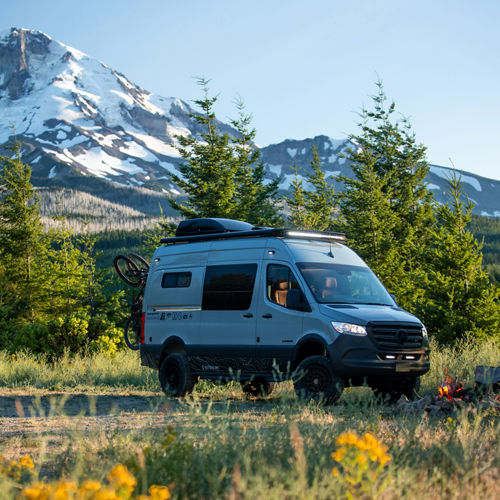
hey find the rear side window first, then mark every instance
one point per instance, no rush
(229, 287)
(176, 280)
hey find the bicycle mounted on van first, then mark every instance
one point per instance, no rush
(225, 300)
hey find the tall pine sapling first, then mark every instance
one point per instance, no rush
(21, 237)
(459, 299)
(222, 175)
(312, 209)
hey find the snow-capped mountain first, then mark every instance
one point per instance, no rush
(85, 126)
(76, 115)
(290, 156)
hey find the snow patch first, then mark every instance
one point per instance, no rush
(434, 187)
(472, 181)
(292, 152)
(156, 145)
(170, 167)
(101, 164)
(444, 173)
(52, 172)
(447, 174)
(275, 169)
(287, 181)
(332, 173)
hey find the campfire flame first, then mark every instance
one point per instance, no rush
(451, 389)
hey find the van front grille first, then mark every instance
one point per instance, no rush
(396, 336)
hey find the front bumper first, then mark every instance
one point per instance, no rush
(358, 357)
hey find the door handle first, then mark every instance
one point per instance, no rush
(267, 316)
(248, 315)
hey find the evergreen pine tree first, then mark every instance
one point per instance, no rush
(312, 209)
(367, 217)
(256, 200)
(386, 153)
(222, 175)
(459, 298)
(208, 171)
(21, 238)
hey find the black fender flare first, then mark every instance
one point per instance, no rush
(310, 337)
(170, 344)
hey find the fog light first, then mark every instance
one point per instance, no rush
(390, 356)
(410, 356)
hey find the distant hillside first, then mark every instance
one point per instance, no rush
(86, 128)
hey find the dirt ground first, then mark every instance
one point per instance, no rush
(52, 415)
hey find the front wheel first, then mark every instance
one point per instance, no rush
(315, 380)
(175, 375)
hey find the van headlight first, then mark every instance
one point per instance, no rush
(424, 332)
(348, 328)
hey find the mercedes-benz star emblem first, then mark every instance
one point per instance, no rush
(402, 335)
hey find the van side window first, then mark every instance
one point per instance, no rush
(280, 279)
(229, 287)
(176, 280)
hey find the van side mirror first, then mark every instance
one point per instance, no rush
(393, 297)
(295, 300)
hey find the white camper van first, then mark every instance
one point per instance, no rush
(227, 301)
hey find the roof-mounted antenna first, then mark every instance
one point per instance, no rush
(330, 253)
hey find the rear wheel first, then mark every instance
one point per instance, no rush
(315, 380)
(258, 387)
(175, 375)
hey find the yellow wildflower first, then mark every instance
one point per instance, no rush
(27, 462)
(158, 492)
(89, 486)
(347, 438)
(106, 494)
(335, 472)
(339, 454)
(121, 476)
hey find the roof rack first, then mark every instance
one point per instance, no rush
(257, 233)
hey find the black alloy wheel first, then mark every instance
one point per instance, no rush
(315, 380)
(175, 375)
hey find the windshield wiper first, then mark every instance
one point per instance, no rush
(371, 304)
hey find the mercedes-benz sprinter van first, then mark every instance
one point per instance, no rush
(227, 301)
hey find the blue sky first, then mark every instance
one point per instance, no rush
(304, 68)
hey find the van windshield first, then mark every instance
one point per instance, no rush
(344, 284)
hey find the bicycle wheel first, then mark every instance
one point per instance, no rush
(127, 270)
(132, 332)
(139, 261)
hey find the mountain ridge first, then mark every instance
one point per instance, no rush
(85, 126)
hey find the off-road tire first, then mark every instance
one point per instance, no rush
(128, 270)
(391, 390)
(139, 261)
(258, 387)
(315, 380)
(132, 332)
(175, 375)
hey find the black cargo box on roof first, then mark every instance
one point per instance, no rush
(193, 227)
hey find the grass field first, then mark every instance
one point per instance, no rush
(83, 417)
